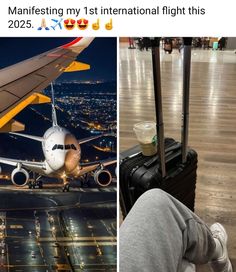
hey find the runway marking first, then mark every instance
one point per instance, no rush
(41, 208)
(98, 266)
(17, 237)
(87, 244)
(24, 265)
(7, 256)
(114, 226)
(62, 265)
(63, 207)
(76, 239)
(53, 201)
(20, 219)
(58, 189)
(16, 227)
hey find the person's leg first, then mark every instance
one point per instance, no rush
(159, 232)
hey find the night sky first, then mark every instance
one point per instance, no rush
(101, 55)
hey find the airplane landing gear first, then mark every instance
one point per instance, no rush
(66, 187)
(40, 184)
(85, 180)
(30, 184)
(35, 183)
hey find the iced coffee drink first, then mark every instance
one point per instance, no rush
(146, 135)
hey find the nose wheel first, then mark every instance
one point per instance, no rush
(66, 187)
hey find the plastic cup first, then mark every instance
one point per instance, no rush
(146, 135)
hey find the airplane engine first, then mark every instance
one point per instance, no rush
(19, 177)
(103, 177)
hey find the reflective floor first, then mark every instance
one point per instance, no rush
(212, 121)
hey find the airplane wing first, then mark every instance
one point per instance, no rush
(85, 140)
(88, 167)
(30, 165)
(21, 84)
(32, 137)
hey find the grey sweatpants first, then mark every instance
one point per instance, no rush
(159, 233)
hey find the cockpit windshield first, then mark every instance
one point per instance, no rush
(73, 147)
(64, 147)
(54, 147)
(67, 147)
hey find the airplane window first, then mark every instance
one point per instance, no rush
(54, 147)
(67, 147)
(73, 147)
(60, 147)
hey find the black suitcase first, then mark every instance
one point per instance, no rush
(174, 168)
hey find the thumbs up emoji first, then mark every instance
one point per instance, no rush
(96, 26)
(108, 26)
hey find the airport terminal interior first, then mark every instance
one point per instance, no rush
(212, 117)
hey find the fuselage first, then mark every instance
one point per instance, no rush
(62, 152)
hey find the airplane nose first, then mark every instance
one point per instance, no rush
(71, 161)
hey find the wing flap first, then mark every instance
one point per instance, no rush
(6, 98)
(23, 85)
(77, 66)
(12, 125)
(19, 70)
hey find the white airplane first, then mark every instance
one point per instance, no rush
(21, 85)
(62, 158)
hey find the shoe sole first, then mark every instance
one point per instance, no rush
(223, 229)
(231, 267)
(220, 226)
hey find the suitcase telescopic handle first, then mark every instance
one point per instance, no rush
(186, 91)
(155, 45)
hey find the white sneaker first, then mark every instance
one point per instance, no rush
(186, 266)
(222, 264)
